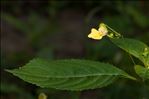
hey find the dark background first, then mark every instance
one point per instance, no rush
(58, 30)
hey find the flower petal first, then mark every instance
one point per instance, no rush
(103, 29)
(95, 34)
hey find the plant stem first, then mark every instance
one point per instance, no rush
(112, 30)
(132, 59)
(122, 37)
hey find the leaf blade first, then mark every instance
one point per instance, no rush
(134, 47)
(69, 74)
(142, 72)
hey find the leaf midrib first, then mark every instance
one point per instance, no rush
(103, 74)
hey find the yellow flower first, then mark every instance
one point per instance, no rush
(98, 34)
(42, 96)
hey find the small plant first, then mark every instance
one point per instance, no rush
(79, 74)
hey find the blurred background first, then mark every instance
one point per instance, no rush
(58, 30)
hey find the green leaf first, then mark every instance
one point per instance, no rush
(73, 74)
(134, 47)
(142, 72)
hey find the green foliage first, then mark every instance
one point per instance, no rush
(137, 16)
(15, 22)
(8, 88)
(142, 72)
(72, 74)
(30, 26)
(12, 89)
(38, 21)
(134, 47)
